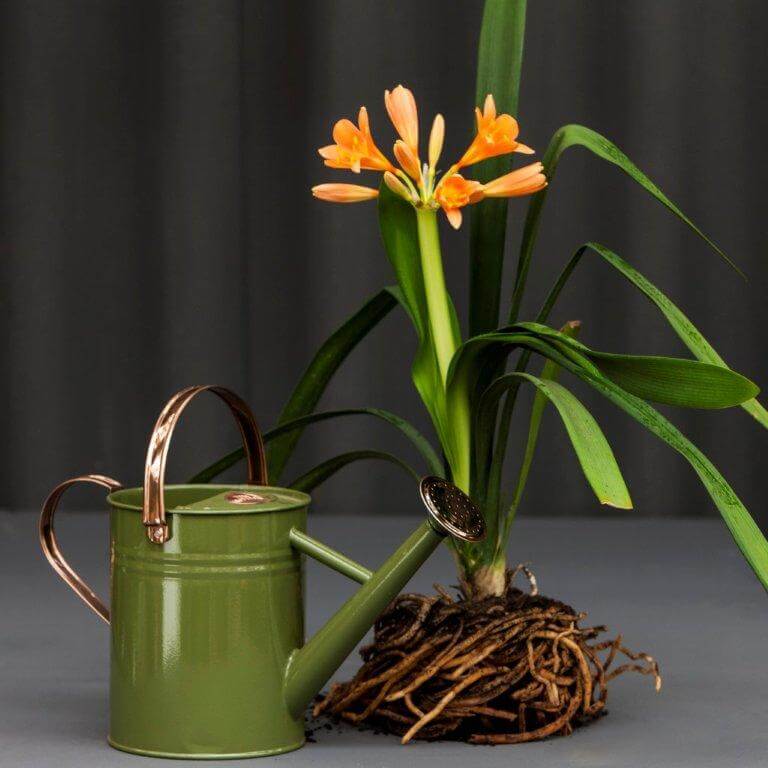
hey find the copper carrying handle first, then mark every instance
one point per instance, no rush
(153, 515)
(51, 547)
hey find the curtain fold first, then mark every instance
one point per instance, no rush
(157, 228)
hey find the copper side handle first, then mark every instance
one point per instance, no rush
(153, 515)
(51, 549)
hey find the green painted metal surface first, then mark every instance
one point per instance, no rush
(311, 666)
(208, 628)
(315, 549)
(203, 626)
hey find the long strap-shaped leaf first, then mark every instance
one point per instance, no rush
(579, 135)
(743, 528)
(322, 472)
(499, 62)
(489, 463)
(668, 380)
(298, 425)
(591, 447)
(313, 382)
(686, 331)
(551, 370)
(325, 363)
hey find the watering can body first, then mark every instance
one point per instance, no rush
(203, 627)
(208, 656)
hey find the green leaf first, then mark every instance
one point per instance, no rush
(686, 331)
(431, 458)
(325, 363)
(312, 384)
(322, 472)
(550, 371)
(578, 135)
(668, 380)
(592, 449)
(397, 222)
(499, 62)
(215, 469)
(743, 528)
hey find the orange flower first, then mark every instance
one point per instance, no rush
(344, 193)
(354, 148)
(401, 108)
(495, 136)
(453, 193)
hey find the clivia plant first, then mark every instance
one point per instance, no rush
(497, 664)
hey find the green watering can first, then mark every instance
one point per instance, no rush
(208, 658)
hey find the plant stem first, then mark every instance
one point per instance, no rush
(440, 324)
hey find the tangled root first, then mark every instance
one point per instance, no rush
(501, 670)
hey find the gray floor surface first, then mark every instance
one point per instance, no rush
(676, 589)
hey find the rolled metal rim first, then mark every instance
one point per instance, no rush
(278, 499)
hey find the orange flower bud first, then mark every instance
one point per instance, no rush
(344, 193)
(401, 108)
(523, 181)
(436, 138)
(408, 159)
(397, 186)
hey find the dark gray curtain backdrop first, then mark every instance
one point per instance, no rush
(158, 231)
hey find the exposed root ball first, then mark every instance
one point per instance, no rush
(497, 671)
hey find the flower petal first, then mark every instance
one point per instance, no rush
(454, 217)
(345, 132)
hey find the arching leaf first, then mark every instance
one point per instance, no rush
(297, 425)
(325, 363)
(579, 135)
(686, 331)
(591, 448)
(668, 380)
(322, 472)
(743, 528)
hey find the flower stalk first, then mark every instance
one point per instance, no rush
(439, 313)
